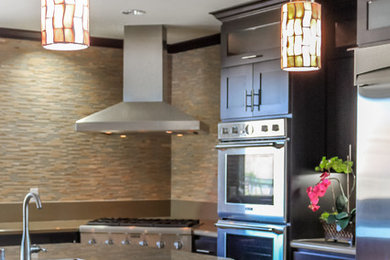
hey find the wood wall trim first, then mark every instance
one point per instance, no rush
(202, 42)
(116, 43)
(244, 10)
(20, 34)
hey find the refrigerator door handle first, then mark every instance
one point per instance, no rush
(380, 90)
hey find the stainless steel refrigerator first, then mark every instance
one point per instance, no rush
(372, 77)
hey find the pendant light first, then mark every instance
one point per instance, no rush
(301, 36)
(65, 24)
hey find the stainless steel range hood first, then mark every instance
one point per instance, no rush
(145, 84)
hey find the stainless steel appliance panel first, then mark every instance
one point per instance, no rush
(251, 241)
(252, 181)
(373, 178)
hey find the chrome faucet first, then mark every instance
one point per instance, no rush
(25, 248)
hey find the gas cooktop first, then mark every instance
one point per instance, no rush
(144, 222)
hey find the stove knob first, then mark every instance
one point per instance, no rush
(178, 245)
(109, 242)
(249, 129)
(143, 243)
(125, 242)
(92, 241)
(160, 244)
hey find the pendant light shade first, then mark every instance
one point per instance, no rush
(65, 24)
(301, 36)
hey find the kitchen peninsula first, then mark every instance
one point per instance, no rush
(88, 252)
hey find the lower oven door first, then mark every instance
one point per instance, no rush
(251, 241)
(252, 181)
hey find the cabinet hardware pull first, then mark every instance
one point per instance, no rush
(260, 90)
(227, 93)
(203, 251)
(259, 93)
(252, 100)
(246, 100)
(251, 56)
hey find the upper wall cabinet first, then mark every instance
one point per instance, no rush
(250, 34)
(254, 90)
(373, 23)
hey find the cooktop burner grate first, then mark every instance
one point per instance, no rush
(144, 222)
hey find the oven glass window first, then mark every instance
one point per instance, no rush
(250, 179)
(249, 248)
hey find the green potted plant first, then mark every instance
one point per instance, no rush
(339, 223)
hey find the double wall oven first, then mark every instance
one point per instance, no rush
(252, 189)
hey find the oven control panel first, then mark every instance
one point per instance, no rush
(269, 128)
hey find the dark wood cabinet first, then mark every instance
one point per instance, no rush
(204, 245)
(254, 90)
(373, 23)
(236, 82)
(251, 33)
(270, 87)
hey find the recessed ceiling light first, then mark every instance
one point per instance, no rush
(134, 12)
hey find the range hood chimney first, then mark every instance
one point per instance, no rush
(145, 84)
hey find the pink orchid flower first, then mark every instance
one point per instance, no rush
(313, 196)
(324, 175)
(314, 208)
(319, 190)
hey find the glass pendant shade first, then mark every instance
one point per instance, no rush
(301, 36)
(65, 24)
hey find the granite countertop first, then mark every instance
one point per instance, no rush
(319, 244)
(206, 228)
(8, 228)
(88, 252)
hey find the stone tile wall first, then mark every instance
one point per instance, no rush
(42, 94)
(195, 90)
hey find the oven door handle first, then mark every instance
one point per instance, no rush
(276, 144)
(250, 227)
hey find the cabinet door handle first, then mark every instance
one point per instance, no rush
(202, 251)
(251, 56)
(251, 95)
(252, 100)
(259, 94)
(260, 90)
(227, 93)
(246, 100)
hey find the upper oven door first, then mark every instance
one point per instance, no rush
(252, 181)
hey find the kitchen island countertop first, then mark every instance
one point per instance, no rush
(113, 252)
(9, 228)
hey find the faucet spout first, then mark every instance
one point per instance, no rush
(25, 247)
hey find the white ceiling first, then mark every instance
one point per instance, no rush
(185, 19)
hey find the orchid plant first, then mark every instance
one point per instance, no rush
(341, 214)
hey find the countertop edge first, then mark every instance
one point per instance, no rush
(321, 245)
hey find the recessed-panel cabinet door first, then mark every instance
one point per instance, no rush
(236, 87)
(374, 21)
(270, 88)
